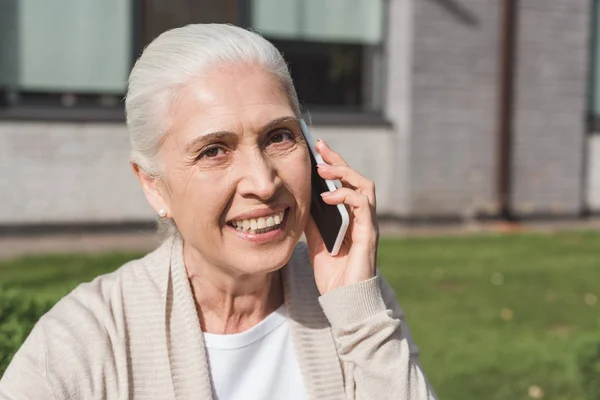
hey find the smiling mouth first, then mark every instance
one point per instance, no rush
(259, 225)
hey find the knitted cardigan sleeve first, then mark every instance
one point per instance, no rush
(71, 353)
(25, 377)
(374, 342)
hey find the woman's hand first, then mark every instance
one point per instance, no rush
(356, 259)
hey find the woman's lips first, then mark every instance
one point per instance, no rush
(263, 237)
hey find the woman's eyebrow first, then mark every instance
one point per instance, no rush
(226, 135)
(278, 121)
(209, 137)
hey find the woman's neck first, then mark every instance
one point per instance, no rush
(228, 303)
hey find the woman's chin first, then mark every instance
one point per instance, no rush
(259, 259)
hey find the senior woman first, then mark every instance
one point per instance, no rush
(230, 306)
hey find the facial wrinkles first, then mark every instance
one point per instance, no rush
(230, 108)
(248, 158)
(258, 162)
(248, 161)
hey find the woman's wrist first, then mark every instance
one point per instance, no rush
(347, 305)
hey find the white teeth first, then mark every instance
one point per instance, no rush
(254, 224)
(261, 223)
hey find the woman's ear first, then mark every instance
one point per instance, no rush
(153, 190)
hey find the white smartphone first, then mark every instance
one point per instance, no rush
(332, 221)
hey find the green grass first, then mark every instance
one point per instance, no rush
(453, 291)
(49, 277)
(455, 310)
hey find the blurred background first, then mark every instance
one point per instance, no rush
(464, 112)
(456, 108)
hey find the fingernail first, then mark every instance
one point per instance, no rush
(326, 194)
(322, 166)
(322, 142)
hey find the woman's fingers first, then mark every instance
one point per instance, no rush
(361, 207)
(337, 168)
(350, 178)
(329, 156)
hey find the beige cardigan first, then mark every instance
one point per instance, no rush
(135, 334)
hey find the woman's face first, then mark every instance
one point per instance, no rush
(236, 170)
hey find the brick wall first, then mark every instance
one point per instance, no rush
(550, 106)
(454, 107)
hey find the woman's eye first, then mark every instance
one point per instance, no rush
(277, 138)
(211, 152)
(280, 137)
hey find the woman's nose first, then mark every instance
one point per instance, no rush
(259, 179)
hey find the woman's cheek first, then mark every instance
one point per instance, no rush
(302, 185)
(298, 169)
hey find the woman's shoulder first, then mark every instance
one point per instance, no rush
(107, 299)
(89, 327)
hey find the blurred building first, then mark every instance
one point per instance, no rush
(456, 108)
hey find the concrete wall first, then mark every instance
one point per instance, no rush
(398, 96)
(79, 172)
(67, 173)
(592, 174)
(454, 107)
(550, 106)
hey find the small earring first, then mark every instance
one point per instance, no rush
(162, 213)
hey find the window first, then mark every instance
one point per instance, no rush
(157, 16)
(70, 52)
(334, 49)
(74, 56)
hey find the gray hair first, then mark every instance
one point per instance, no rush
(174, 59)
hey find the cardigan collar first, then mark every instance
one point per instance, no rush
(310, 331)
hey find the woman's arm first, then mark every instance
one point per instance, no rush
(25, 377)
(70, 353)
(373, 339)
(368, 324)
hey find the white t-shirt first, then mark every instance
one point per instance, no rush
(259, 363)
